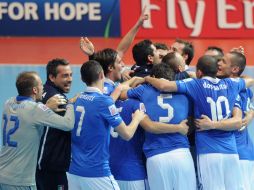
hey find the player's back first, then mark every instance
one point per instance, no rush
(215, 98)
(126, 157)
(162, 107)
(21, 137)
(94, 113)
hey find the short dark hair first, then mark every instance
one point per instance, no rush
(161, 46)
(187, 50)
(217, 49)
(90, 71)
(53, 64)
(163, 70)
(238, 60)
(106, 58)
(172, 60)
(25, 83)
(208, 65)
(141, 50)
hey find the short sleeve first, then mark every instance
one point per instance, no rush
(110, 113)
(136, 93)
(238, 83)
(182, 85)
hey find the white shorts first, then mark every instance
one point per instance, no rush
(171, 170)
(91, 183)
(247, 171)
(133, 185)
(219, 171)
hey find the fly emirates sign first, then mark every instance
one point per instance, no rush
(192, 18)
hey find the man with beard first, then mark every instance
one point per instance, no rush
(55, 146)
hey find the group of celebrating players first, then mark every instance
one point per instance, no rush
(155, 126)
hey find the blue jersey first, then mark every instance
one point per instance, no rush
(126, 157)
(214, 98)
(245, 146)
(94, 114)
(109, 87)
(162, 107)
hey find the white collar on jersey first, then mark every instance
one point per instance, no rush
(92, 89)
(107, 80)
(213, 80)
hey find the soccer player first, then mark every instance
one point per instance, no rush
(217, 151)
(22, 126)
(129, 153)
(95, 113)
(174, 60)
(55, 146)
(169, 162)
(233, 68)
(186, 49)
(126, 158)
(145, 55)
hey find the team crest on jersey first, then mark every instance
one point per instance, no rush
(113, 110)
(142, 107)
(43, 107)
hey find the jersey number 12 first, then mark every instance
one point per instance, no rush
(7, 134)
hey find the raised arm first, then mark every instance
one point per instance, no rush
(160, 128)
(127, 40)
(234, 123)
(162, 84)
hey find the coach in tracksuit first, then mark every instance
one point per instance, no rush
(55, 146)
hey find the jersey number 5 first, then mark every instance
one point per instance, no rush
(7, 134)
(170, 109)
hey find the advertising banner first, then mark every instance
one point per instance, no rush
(191, 18)
(60, 18)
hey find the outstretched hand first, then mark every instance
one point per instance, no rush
(86, 46)
(144, 16)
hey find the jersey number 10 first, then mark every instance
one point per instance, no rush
(216, 108)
